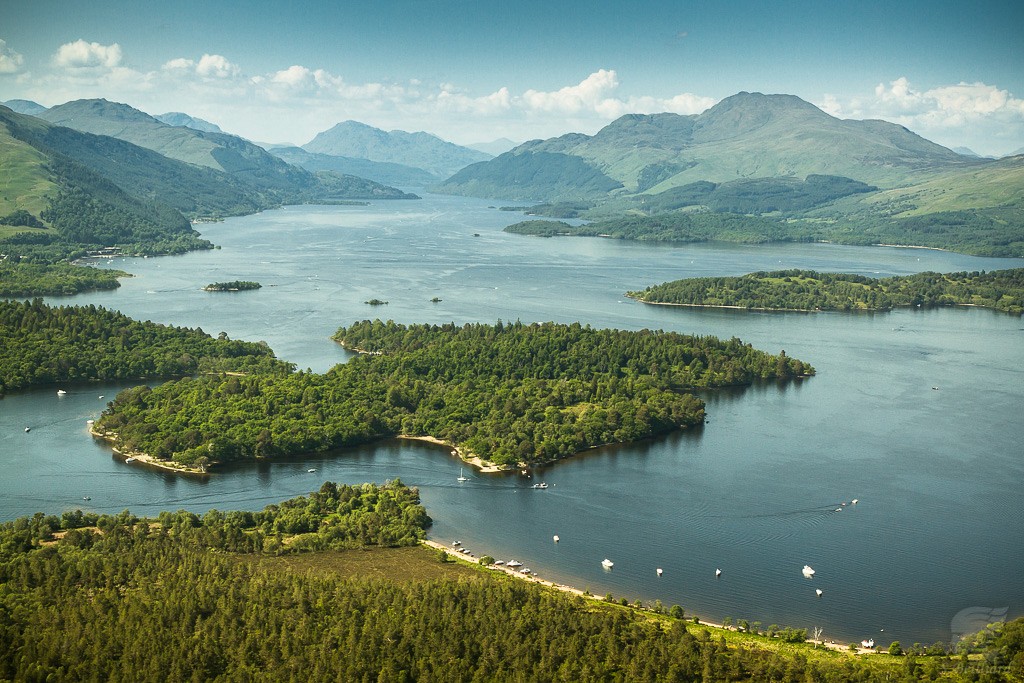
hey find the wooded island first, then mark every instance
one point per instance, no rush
(807, 290)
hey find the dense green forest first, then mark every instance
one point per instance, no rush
(264, 596)
(981, 232)
(41, 345)
(38, 279)
(507, 393)
(807, 290)
(233, 286)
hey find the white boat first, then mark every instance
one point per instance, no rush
(854, 501)
(555, 538)
(868, 643)
(659, 571)
(28, 429)
(541, 485)
(607, 564)
(514, 563)
(462, 476)
(311, 469)
(456, 544)
(718, 572)
(525, 570)
(807, 571)
(61, 392)
(818, 592)
(90, 422)
(129, 459)
(499, 562)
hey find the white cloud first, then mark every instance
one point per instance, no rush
(588, 94)
(81, 54)
(985, 118)
(179, 64)
(10, 61)
(216, 66)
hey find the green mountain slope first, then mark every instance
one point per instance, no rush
(748, 135)
(52, 206)
(420, 150)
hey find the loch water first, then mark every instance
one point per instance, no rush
(915, 413)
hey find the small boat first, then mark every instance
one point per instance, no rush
(101, 395)
(807, 571)
(555, 538)
(464, 551)
(659, 571)
(462, 476)
(839, 509)
(456, 544)
(718, 572)
(61, 392)
(854, 501)
(514, 563)
(869, 643)
(541, 485)
(607, 564)
(28, 429)
(818, 592)
(129, 459)
(86, 497)
(499, 562)
(90, 422)
(311, 469)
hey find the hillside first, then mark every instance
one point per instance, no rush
(748, 135)
(53, 206)
(271, 179)
(420, 150)
(24, 107)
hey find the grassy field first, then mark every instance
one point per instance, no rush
(23, 177)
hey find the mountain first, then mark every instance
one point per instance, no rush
(269, 179)
(495, 147)
(177, 118)
(420, 150)
(748, 135)
(52, 204)
(25, 107)
(1016, 153)
(380, 171)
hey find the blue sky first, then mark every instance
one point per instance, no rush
(476, 71)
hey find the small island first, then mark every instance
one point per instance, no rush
(376, 302)
(233, 286)
(806, 290)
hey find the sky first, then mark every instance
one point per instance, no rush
(477, 71)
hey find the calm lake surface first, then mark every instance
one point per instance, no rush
(917, 414)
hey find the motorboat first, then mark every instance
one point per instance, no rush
(869, 643)
(659, 571)
(818, 592)
(514, 563)
(555, 538)
(718, 572)
(311, 469)
(61, 392)
(607, 564)
(807, 571)
(131, 459)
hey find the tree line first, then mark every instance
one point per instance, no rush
(810, 291)
(186, 597)
(43, 345)
(509, 393)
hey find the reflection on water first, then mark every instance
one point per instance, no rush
(755, 492)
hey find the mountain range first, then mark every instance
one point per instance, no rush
(748, 135)
(177, 118)
(420, 150)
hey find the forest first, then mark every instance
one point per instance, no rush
(54, 279)
(243, 595)
(806, 290)
(508, 393)
(233, 286)
(42, 345)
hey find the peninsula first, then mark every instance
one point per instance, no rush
(505, 395)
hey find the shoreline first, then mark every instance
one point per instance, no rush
(482, 466)
(451, 551)
(145, 458)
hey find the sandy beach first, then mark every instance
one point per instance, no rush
(466, 457)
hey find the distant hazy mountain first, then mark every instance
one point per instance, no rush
(259, 171)
(419, 150)
(495, 147)
(380, 171)
(748, 135)
(177, 118)
(25, 107)
(1016, 152)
